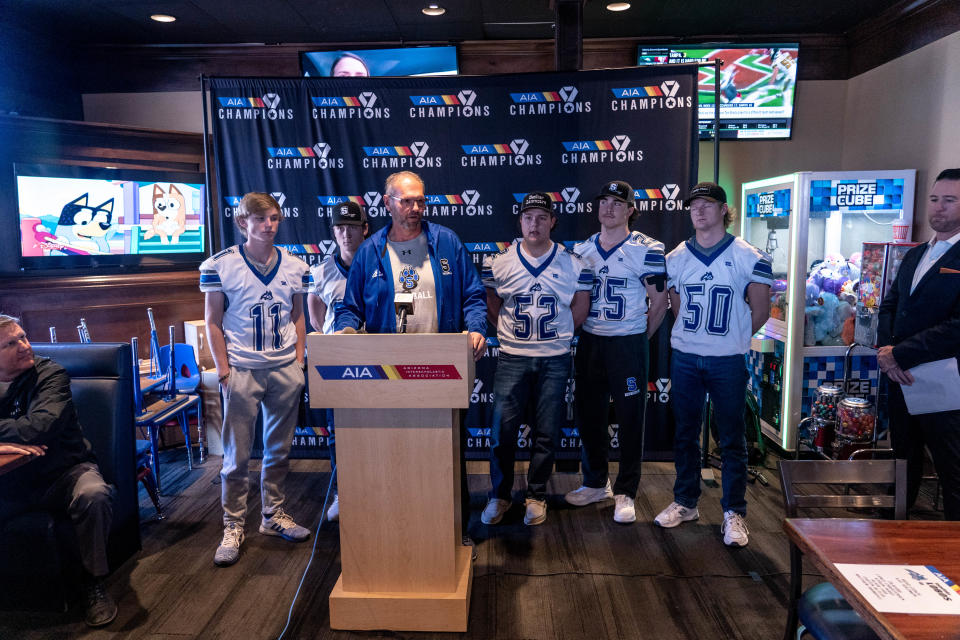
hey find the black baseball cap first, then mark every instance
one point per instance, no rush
(537, 200)
(708, 190)
(348, 212)
(617, 189)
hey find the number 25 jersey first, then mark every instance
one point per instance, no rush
(535, 318)
(256, 321)
(714, 317)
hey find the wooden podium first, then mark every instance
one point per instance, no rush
(396, 401)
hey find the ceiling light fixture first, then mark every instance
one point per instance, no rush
(433, 10)
(618, 6)
(162, 17)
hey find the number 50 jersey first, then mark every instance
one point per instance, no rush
(535, 318)
(714, 317)
(256, 321)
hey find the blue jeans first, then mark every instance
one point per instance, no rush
(725, 379)
(541, 383)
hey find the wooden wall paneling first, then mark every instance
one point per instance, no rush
(115, 307)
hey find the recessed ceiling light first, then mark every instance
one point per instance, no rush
(162, 17)
(618, 6)
(433, 10)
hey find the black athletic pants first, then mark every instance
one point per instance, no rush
(611, 366)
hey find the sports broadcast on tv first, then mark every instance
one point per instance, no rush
(66, 216)
(757, 86)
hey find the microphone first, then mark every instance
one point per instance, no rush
(403, 306)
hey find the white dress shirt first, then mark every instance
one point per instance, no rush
(934, 251)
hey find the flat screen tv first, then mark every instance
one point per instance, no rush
(757, 86)
(76, 217)
(406, 61)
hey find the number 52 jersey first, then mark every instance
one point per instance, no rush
(535, 318)
(714, 317)
(256, 321)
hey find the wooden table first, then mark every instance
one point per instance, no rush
(10, 461)
(827, 541)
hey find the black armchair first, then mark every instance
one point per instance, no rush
(34, 542)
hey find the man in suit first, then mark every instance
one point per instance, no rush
(920, 322)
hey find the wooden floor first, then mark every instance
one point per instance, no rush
(579, 575)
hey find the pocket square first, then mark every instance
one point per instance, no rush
(949, 270)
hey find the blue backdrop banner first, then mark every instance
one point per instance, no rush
(480, 143)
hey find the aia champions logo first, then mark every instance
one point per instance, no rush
(286, 208)
(417, 154)
(662, 96)
(666, 198)
(543, 103)
(371, 201)
(616, 149)
(516, 153)
(566, 200)
(463, 104)
(364, 105)
(265, 107)
(465, 203)
(318, 156)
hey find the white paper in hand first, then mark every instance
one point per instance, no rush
(936, 387)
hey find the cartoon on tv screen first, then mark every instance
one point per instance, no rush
(79, 217)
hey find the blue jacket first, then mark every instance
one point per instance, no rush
(368, 299)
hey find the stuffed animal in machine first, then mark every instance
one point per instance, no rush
(825, 326)
(811, 311)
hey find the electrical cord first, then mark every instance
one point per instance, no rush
(313, 551)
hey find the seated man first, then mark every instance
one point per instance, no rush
(37, 416)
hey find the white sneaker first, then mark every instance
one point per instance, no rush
(229, 550)
(536, 512)
(734, 529)
(493, 512)
(624, 512)
(333, 513)
(674, 515)
(279, 523)
(586, 495)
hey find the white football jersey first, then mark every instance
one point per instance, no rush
(618, 303)
(535, 318)
(256, 320)
(329, 282)
(714, 317)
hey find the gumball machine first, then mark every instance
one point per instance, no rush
(879, 265)
(855, 425)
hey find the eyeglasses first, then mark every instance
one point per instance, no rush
(407, 203)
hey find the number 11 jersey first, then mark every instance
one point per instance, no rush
(256, 321)
(714, 317)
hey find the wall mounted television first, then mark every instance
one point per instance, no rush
(757, 86)
(406, 61)
(83, 217)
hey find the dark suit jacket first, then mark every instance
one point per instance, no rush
(923, 326)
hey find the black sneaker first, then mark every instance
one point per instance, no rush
(100, 607)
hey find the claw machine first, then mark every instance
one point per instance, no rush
(813, 225)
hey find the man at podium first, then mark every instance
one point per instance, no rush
(414, 259)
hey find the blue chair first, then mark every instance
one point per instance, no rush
(146, 476)
(187, 378)
(822, 611)
(155, 411)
